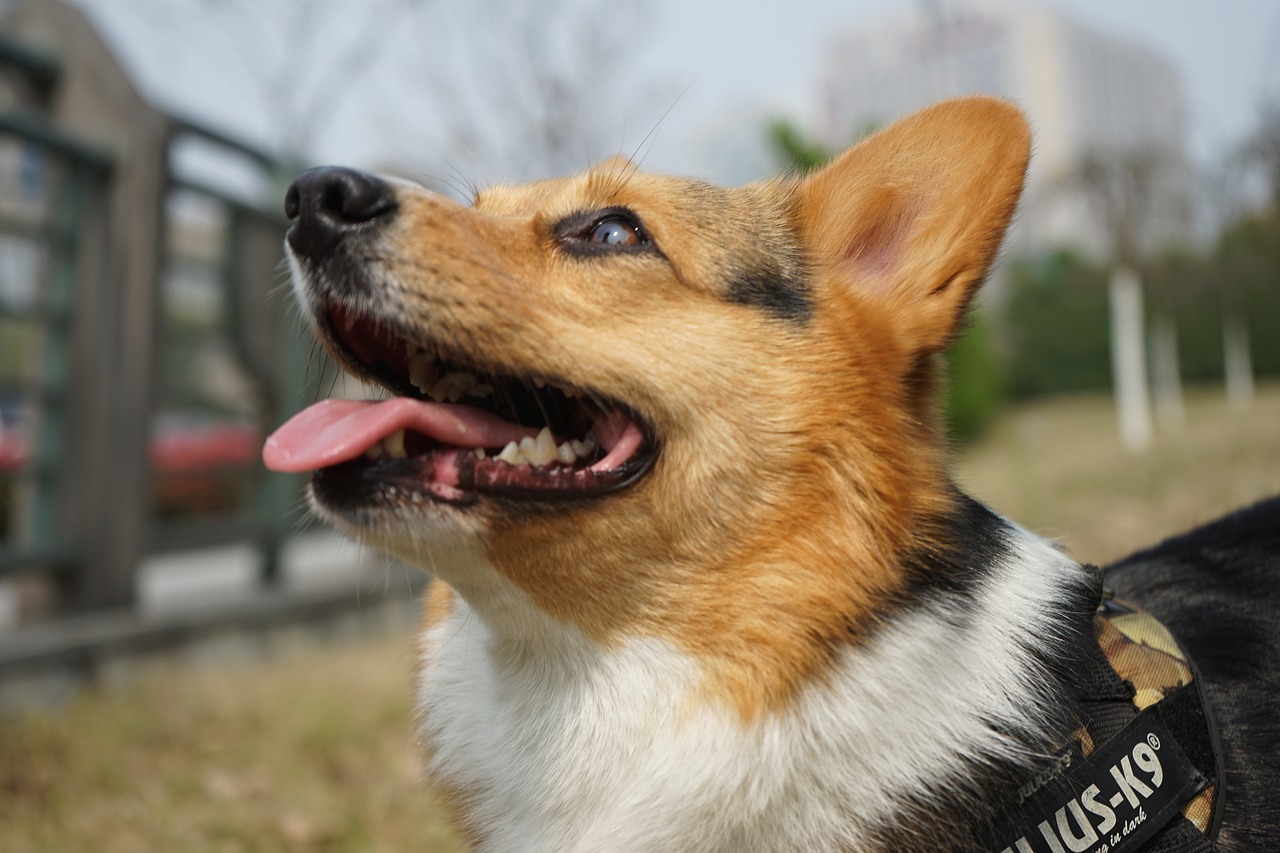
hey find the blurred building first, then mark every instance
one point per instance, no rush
(1090, 96)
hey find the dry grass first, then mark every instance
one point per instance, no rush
(308, 750)
(311, 749)
(1057, 468)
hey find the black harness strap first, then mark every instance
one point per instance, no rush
(1120, 787)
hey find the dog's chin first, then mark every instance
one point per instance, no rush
(393, 520)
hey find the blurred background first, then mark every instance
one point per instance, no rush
(187, 663)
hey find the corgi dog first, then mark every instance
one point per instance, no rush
(703, 580)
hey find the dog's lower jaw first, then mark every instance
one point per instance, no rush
(408, 524)
(570, 744)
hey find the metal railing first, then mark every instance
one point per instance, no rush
(231, 363)
(103, 463)
(51, 193)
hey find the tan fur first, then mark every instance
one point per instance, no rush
(439, 604)
(797, 458)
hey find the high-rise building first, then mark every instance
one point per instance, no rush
(1091, 97)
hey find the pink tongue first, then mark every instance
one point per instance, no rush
(619, 436)
(335, 431)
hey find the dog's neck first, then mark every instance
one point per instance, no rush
(560, 742)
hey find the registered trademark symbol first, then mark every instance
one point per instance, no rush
(1153, 741)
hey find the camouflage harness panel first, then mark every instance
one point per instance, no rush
(1143, 652)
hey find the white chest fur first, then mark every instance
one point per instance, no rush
(578, 748)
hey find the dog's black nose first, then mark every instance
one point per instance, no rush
(330, 202)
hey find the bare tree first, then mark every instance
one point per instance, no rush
(306, 58)
(490, 88)
(1230, 271)
(1129, 191)
(1246, 249)
(1170, 289)
(1237, 359)
(1261, 151)
(529, 90)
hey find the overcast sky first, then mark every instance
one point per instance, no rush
(734, 62)
(1228, 51)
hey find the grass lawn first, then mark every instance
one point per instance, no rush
(307, 750)
(1057, 468)
(312, 748)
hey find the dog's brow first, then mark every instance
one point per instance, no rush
(779, 294)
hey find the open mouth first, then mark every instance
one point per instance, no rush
(456, 430)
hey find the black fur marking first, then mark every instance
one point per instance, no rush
(1217, 589)
(779, 294)
(938, 568)
(966, 547)
(957, 553)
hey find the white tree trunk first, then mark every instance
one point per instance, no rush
(1166, 375)
(1128, 359)
(1236, 360)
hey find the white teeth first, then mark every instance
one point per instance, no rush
(538, 451)
(585, 447)
(394, 445)
(421, 371)
(528, 450)
(479, 452)
(452, 387)
(542, 450)
(440, 390)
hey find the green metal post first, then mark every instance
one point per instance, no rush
(48, 440)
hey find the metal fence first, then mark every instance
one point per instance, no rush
(230, 361)
(51, 227)
(134, 396)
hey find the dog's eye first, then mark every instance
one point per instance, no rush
(615, 231)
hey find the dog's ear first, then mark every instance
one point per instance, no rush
(915, 214)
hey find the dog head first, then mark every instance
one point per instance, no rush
(725, 396)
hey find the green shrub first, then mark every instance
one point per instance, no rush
(1057, 327)
(975, 382)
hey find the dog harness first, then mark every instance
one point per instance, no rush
(1143, 770)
